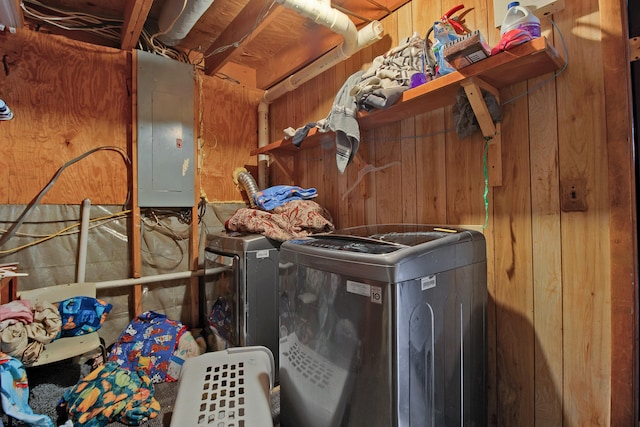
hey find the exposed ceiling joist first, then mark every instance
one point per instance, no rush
(136, 13)
(256, 41)
(249, 23)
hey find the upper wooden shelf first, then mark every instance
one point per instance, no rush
(523, 62)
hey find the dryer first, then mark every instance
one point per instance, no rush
(383, 325)
(250, 292)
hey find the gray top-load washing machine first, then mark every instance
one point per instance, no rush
(383, 325)
(242, 305)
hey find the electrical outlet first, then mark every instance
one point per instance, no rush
(573, 197)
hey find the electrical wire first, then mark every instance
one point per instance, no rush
(9, 233)
(68, 233)
(159, 226)
(108, 28)
(63, 232)
(202, 209)
(147, 43)
(485, 171)
(159, 33)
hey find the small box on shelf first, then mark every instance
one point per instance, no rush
(467, 50)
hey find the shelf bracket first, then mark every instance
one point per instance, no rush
(473, 88)
(283, 167)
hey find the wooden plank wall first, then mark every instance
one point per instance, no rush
(561, 284)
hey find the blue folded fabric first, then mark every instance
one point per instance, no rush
(278, 195)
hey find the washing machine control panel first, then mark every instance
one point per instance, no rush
(361, 245)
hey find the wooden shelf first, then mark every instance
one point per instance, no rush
(523, 62)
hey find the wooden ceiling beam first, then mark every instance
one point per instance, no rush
(239, 33)
(135, 15)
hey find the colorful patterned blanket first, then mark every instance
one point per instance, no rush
(294, 219)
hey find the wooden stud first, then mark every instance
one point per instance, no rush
(136, 256)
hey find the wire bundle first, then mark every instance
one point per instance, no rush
(108, 28)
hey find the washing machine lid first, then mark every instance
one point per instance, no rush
(399, 234)
(387, 253)
(239, 242)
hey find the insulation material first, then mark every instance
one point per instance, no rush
(164, 247)
(178, 17)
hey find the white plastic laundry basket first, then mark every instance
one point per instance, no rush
(227, 388)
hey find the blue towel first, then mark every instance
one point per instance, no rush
(278, 195)
(14, 393)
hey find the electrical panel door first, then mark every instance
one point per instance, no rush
(165, 141)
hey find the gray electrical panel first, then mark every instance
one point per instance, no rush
(166, 149)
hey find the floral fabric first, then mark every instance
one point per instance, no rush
(294, 219)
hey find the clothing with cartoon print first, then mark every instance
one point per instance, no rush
(148, 343)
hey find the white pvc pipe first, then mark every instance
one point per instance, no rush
(337, 55)
(322, 13)
(354, 40)
(159, 278)
(82, 241)
(263, 140)
(336, 21)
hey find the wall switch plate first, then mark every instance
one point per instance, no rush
(573, 195)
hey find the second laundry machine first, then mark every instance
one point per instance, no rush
(242, 306)
(383, 326)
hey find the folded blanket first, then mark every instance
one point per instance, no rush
(295, 219)
(26, 341)
(16, 311)
(275, 196)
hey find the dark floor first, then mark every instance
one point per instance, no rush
(48, 383)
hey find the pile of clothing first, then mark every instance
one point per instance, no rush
(25, 330)
(289, 220)
(379, 86)
(150, 350)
